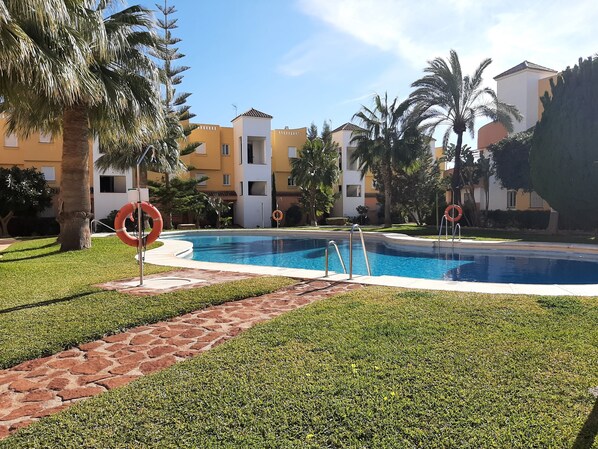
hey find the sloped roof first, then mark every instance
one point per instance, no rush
(253, 113)
(524, 65)
(348, 127)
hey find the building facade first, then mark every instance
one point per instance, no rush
(238, 163)
(521, 86)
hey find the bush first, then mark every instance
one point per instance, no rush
(576, 223)
(293, 216)
(109, 221)
(520, 219)
(33, 226)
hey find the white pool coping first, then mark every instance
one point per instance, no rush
(172, 253)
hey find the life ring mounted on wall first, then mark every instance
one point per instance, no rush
(451, 217)
(127, 211)
(277, 215)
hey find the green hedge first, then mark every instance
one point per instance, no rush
(33, 226)
(520, 219)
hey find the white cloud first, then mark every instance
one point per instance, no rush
(545, 32)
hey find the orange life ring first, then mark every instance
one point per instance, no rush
(277, 215)
(451, 218)
(126, 212)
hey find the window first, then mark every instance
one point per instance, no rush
(241, 189)
(45, 137)
(292, 153)
(241, 154)
(200, 176)
(225, 149)
(250, 153)
(256, 188)
(374, 184)
(291, 181)
(511, 199)
(113, 184)
(10, 140)
(256, 150)
(226, 180)
(49, 173)
(536, 200)
(353, 190)
(352, 165)
(201, 149)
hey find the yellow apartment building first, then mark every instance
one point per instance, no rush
(238, 161)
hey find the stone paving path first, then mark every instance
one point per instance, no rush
(45, 386)
(5, 243)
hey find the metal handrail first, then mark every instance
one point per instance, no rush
(333, 243)
(94, 221)
(457, 227)
(443, 221)
(365, 254)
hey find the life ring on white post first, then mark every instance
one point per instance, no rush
(453, 218)
(277, 215)
(127, 211)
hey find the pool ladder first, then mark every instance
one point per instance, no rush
(365, 254)
(456, 228)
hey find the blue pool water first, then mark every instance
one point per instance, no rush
(425, 263)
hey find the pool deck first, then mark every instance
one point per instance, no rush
(173, 251)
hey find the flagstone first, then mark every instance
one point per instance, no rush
(44, 386)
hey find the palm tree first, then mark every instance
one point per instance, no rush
(177, 115)
(316, 173)
(38, 48)
(115, 98)
(383, 142)
(445, 97)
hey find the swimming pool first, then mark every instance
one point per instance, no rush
(388, 259)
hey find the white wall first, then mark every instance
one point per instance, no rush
(521, 89)
(252, 211)
(347, 206)
(104, 203)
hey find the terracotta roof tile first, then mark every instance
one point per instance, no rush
(253, 113)
(524, 65)
(348, 127)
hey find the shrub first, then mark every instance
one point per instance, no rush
(520, 219)
(33, 226)
(293, 216)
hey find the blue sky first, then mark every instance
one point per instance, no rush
(315, 60)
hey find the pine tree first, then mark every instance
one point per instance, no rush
(167, 150)
(175, 104)
(564, 152)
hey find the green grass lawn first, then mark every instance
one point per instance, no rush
(47, 302)
(376, 368)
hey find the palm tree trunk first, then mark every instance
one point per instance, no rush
(74, 186)
(312, 214)
(387, 200)
(456, 197)
(4, 224)
(168, 207)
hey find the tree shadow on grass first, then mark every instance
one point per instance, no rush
(46, 303)
(34, 248)
(587, 434)
(51, 253)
